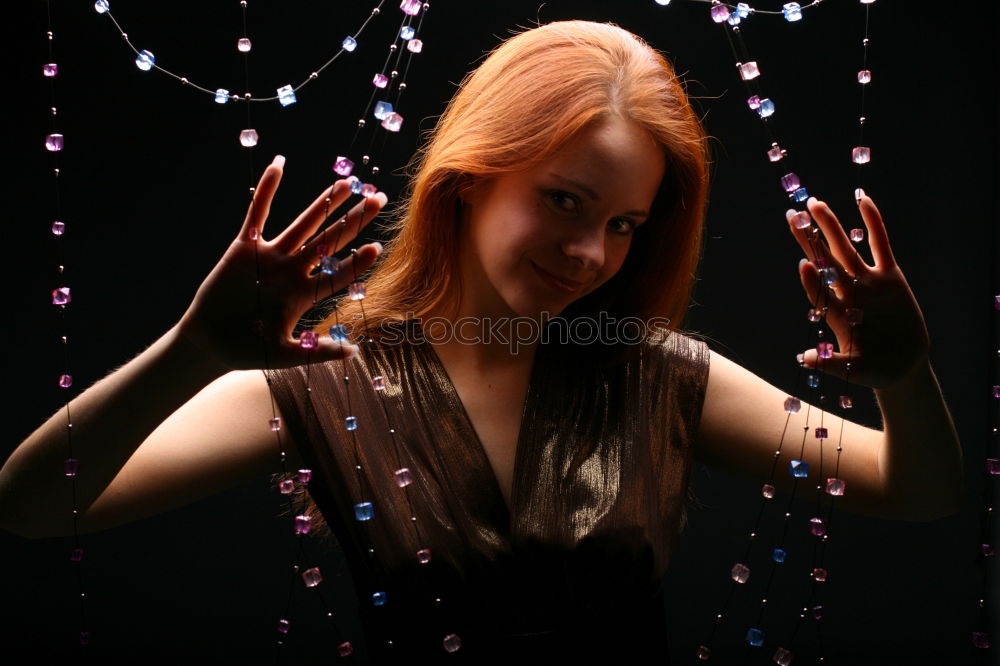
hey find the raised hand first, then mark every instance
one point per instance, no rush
(234, 323)
(878, 325)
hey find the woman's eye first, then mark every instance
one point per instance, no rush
(564, 201)
(623, 225)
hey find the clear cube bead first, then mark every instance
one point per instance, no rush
(424, 555)
(704, 653)
(243, 45)
(864, 76)
(824, 350)
(403, 477)
(748, 70)
(451, 643)
(792, 404)
(356, 291)
(782, 657)
(50, 69)
(312, 577)
(767, 490)
(819, 574)
(857, 235)
(740, 573)
(414, 46)
(378, 383)
(719, 12)
(792, 11)
(861, 155)
(145, 60)
(54, 143)
(286, 95)
(249, 138)
(349, 44)
(845, 402)
(392, 122)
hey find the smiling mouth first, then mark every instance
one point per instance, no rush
(561, 284)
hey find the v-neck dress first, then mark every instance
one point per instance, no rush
(573, 567)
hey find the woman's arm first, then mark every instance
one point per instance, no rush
(912, 470)
(176, 423)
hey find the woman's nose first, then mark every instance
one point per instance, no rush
(586, 248)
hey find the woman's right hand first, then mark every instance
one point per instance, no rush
(234, 322)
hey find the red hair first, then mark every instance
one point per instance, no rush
(531, 95)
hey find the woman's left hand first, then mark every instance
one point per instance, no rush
(878, 325)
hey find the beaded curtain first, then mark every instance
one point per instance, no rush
(158, 190)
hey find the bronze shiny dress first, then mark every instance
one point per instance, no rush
(573, 568)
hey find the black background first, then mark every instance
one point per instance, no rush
(154, 186)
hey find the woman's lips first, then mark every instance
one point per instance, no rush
(562, 284)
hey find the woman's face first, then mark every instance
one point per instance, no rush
(535, 241)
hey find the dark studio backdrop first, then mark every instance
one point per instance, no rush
(154, 187)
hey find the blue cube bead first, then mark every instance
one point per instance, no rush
(382, 109)
(356, 186)
(338, 332)
(286, 95)
(828, 275)
(766, 108)
(778, 555)
(351, 423)
(800, 194)
(349, 44)
(742, 9)
(755, 637)
(328, 265)
(221, 96)
(101, 6)
(378, 599)
(407, 32)
(812, 380)
(798, 468)
(792, 11)
(364, 511)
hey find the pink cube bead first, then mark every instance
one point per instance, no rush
(864, 76)
(249, 138)
(854, 316)
(303, 475)
(282, 626)
(703, 653)
(274, 424)
(392, 122)
(308, 340)
(312, 577)
(861, 155)
(740, 573)
(819, 574)
(345, 649)
(814, 315)
(424, 555)
(857, 235)
(993, 466)
(790, 182)
(987, 550)
(415, 46)
(368, 191)
(817, 527)
(303, 524)
(451, 643)
(61, 296)
(58, 228)
(403, 477)
(378, 383)
(782, 657)
(71, 466)
(76, 555)
(748, 70)
(720, 13)
(343, 166)
(50, 69)
(996, 391)
(776, 153)
(825, 349)
(980, 640)
(846, 402)
(286, 487)
(817, 612)
(65, 381)
(380, 80)
(767, 490)
(835, 487)
(792, 405)
(411, 7)
(754, 102)
(54, 143)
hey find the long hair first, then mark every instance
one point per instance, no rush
(525, 101)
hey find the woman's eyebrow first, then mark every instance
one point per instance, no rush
(592, 193)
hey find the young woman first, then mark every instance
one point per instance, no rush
(566, 179)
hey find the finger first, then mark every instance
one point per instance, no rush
(835, 365)
(343, 230)
(878, 238)
(839, 244)
(809, 276)
(263, 194)
(800, 224)
(294, 352)
(306, 224)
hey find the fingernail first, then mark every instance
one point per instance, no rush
(811, 201)
(859, 194)
(279, 161)
(377, 246)
(800, 359)
(803, 261)
(790, 213)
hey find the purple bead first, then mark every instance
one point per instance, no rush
(50, 69)
(767, 490)
(54, 143)
(854, 316)
(748, 70)
(76, 555)
(993, 466)
(345, 649)
(392, 122)
(845, 402)
(814, 315)
(720, 12)
(754, 102)
(84, 638)
(819, 574)
(835, 487)
(368, 190)
(415, 46)
(403, 477)
(821, 433)
(987, 550)
(274, 424)
(825, 349)
(65, 381)
(58, 228)
(380, 80)
(71, 466)
(703, 653)
(411, 7)
(378, 383)
(996, 302)
(308, 340)
(861, 155)
(776, 153)
(243, 45)
(817, 526)
(740, 573)
(864, 76)
(343, 166)
(304, 475)
(356, 291)
(303, 524)
(980, 640)
(817, 612)
(424, 555)
(996, 391)
(312, 577)
(790, 182)
(451, 643)
(857, 235)
(783, 657)
(286, 487)
(792, 405)
(249, 138)
(282, 626)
